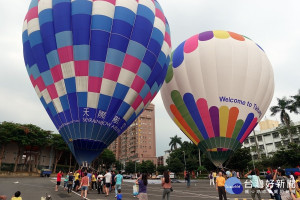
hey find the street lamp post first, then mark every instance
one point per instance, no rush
(199, 158)
(184, 161)
(252, 161)
(135, 166)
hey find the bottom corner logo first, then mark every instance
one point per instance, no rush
(233, 186)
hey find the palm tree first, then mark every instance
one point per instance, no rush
(283, 106)
(174, 141)
(296, 102)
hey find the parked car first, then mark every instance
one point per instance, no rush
(172, 175)
(126, 176)
(262, 173)
(159, 176)
(46, 172)
(175, 181)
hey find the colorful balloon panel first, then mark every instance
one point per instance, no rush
(95, 65)
(218, 86)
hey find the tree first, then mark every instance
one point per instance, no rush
(192, 164)
(202, 169)
(19, 136)
(287, 157)
(174, 142)
(118, 165)
(283, 106)
(285, 131)
(108, 158)
(146, 167)
(6, 130)
(141, 167)
(239, 159)
(175, 165)
(160, 169)
(296, 102)
(207, 163)
(60, 147)
(130, 167)
(36, 139)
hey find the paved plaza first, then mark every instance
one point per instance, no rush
(35, 187)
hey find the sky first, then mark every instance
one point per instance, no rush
(273, 24)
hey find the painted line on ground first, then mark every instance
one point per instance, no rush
(53, 181)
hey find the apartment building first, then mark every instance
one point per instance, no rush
(269, 140)
(137, 143)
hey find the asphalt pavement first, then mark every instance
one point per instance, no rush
(33, 188)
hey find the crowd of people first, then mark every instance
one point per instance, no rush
(275, 182)
(84, 180)
(279, 185)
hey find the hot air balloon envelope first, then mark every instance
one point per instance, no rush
(218, 87)
(95, 65)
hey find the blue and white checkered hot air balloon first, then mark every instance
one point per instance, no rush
(95, 65)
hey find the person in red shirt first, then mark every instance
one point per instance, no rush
(84, 185)
(58, 180)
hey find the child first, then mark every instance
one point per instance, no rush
(66, 182)
(17, 196)
(119, 196)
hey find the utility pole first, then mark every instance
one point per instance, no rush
(199, 158)
(184, 161)
(256, 144)
(252, 160)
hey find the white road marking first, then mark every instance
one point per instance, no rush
(71, 190)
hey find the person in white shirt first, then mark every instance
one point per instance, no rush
(100, 184)
(107, 182)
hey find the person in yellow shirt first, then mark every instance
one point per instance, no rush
(17, 196)
(220, 186)
(215, 176)
(297, 184)
(77, 181)
(94, 182)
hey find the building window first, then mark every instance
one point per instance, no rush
(261, 147)
(286, 142)
(246, 141)
(259, 138)
(252, 140)
(278, 144)
(296, 140)
(276, 135)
